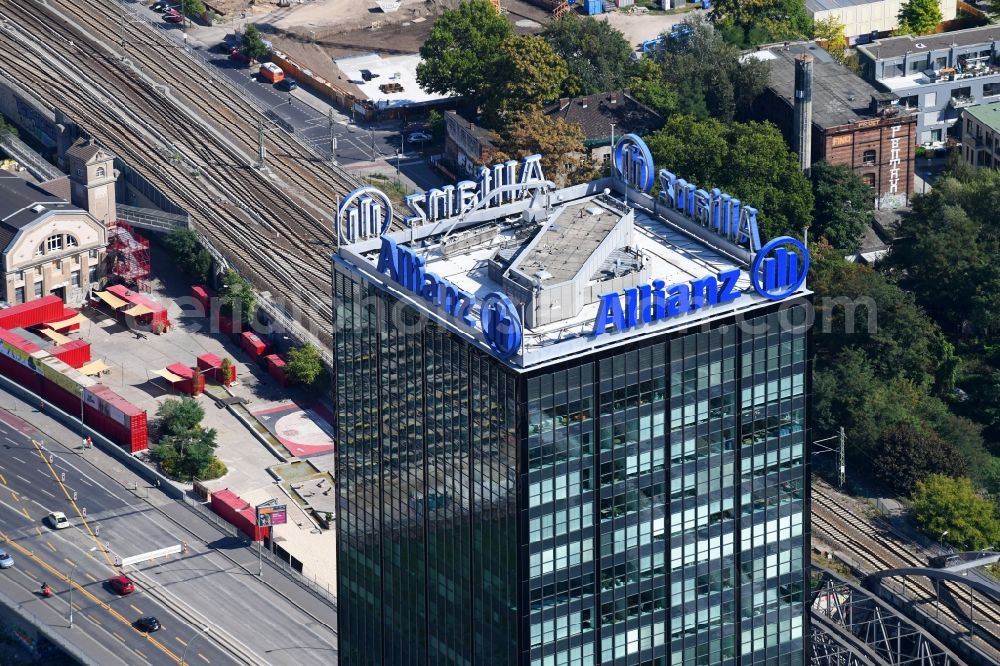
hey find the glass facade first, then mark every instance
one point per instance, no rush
(645, 505)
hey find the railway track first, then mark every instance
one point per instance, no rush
(191, 139)
(876, 549)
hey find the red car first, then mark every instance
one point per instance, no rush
(239, 56)
(122, 585)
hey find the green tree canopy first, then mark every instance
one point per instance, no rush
(252, 44)
(527, 74)
(179, 416)
(304, 365)
(649, 86)
(907, 455)
(237, 297)
(751, 22)
(597, 56)
(708, 75)
(185, 249)
(564, 158)
(919, 17)
(460, 54)
(748, 160)
(945, 504)
(194, 8)
(844, 205)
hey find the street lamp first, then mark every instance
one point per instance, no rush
(186, 647)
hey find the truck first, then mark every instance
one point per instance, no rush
(271, 72)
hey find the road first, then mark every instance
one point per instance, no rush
(301, 109)
(273, 621)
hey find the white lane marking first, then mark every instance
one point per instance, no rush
(46, 492)
(23, 479)
(17, 459)
(83, 480)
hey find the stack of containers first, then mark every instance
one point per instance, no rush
(189, 385)
(276, 368)
(201, 294)
(75, 353)
(32, 313)
(116, 417)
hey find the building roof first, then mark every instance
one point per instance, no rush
(840, 97)
(21, 203)
(595, 113)
(828, 5)
(893, 47)
(83, 149)
(60, 188)
(987, 114)
(483, 135)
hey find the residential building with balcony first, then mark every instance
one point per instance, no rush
(936, 75)
(981, 135)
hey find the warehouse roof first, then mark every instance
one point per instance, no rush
(840, 97)
(828, 5)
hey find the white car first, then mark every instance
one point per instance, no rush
(57, 520)
(419, 137)
(6, 561)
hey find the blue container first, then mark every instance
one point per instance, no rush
(591, 7)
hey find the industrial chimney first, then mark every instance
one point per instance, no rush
(802, 127)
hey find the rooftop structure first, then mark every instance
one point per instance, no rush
(980, 125)
(390, 82)
(936, 74)
(596, 113)
(865, 20)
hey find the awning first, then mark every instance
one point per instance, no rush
(66, 323)
(57, 338)
(111, 299)
(95, 367)
(138, 311)
(169, 376)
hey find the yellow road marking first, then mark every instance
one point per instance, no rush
(116, 635)
(141, 655)
(26, 514)
(59, 575)
(204, 657)
(69, 561)
(39, 530)
(14, 495)
(137, 610)
(73, 502)
(49, 544)
(181, 641)
(91, 577)
(3, 478)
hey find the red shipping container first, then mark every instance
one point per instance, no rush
(32, 313)
(75, 353)
(126, 423)
(201, 295)
(239, 513)
(252, 344)
(276, 368)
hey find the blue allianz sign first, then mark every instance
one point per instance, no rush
(712, 209)
(777, 271)
(364, 214)
(498, 318)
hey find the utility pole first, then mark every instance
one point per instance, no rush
(843, 462)
(333, 139)
(121, 19)
(371, 134)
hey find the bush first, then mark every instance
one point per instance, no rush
(214, 470)
(305, 366)
(185, 450)
(943, 504)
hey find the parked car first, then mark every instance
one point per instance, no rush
(149, 624)
(286, 85)
(271, 72)
(173, 16)
(239, 56)
(6, 561)
(160, 6)
(419, 137)
(122, 585)
(57, 520)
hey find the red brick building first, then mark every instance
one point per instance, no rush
(853, 123)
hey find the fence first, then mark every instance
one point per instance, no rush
(24, 155)
(152, 219)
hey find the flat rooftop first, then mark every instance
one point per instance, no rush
(556, 264)
(893, 47)
(840, 97)
(401, 70)
(828, 5)
(987, 114)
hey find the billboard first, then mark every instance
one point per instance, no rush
(270, 513)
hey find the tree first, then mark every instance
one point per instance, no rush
(226, 368)
(237, 297)
(907, 455)
(919, 16)
(193, 259)
(527, 72)
(944, 504)
(459, 56)
(560, 143)
(598, 57)
(304, 364)
(831, 30)
(649, 86)
(194, 8)
(695, 150)
(844, 205)
(751, 22)
(252, 44)
(179, 416)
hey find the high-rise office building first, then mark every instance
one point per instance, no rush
(571, 426)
